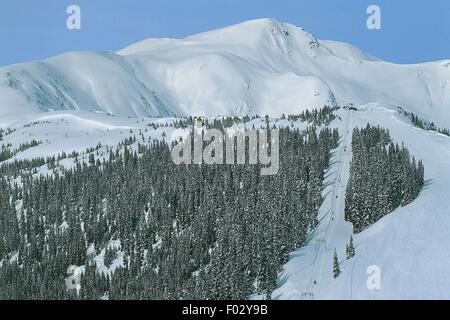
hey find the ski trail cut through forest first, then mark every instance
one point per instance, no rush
(327, 239)
(314, 266)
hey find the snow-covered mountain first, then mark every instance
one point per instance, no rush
(256, 67)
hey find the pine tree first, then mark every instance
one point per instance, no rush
(110, 256)
(350, 249)
(336, 268)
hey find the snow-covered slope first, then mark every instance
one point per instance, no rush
(409, 245)
(256, 67)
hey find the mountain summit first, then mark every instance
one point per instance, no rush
(256, 67)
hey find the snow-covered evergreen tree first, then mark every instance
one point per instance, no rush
(336, 268)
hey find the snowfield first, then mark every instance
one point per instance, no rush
(257, 67)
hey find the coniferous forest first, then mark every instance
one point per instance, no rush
(383, 176)
(179, 232)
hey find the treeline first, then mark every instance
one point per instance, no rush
(5, 132)
(423, 124)
(316, 117)
(6, 152)
(185, 232)
(383, 176)
(219, 122)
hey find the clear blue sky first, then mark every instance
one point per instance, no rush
(412, 30)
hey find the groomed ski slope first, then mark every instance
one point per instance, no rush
(410, 245)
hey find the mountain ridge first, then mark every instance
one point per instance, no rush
(256, 67)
